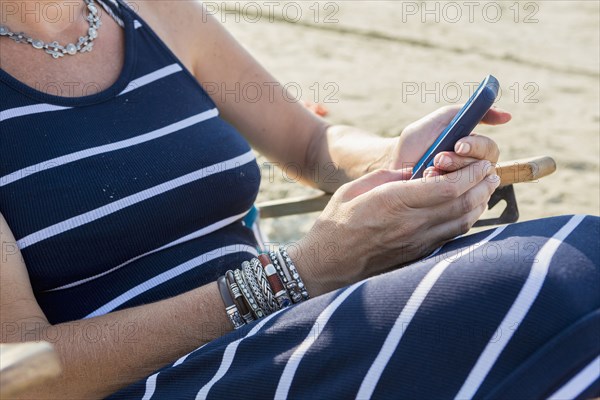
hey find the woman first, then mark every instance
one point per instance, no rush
(122, 194)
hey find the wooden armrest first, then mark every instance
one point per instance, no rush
(510, 172)
(525, 170)
(298, 205)
(24, 365)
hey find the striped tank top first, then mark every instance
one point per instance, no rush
(128, 196)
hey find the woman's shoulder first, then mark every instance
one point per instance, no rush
(170, 11)
(178, 23)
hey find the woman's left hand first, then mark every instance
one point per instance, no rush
(420, 135)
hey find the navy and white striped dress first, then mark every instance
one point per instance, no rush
(137, 193)
(109, 195)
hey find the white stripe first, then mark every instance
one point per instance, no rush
(137, 24)
(576, 385)
(395, 335)
(518, 310)
(28, 110)
(174, 272)
(151, 77)
(151, 381)
(182, 359)
(435, 252)
(128, 201)
(285, 382)
(229, 355)
(109, 10)
(150, 387)
(94, 151)
(135, 84)
(195, 235)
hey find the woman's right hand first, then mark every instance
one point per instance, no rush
(383, 220)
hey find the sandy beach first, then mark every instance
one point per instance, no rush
(380, 65)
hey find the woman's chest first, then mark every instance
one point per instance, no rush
(85, 189)
(79, 75)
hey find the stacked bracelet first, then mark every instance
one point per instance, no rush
(263, 284)
(275, 261)
(247, 295)
(236, 293)
(281, 295)
(294, 273)
(260, 287)
(291, 284)
(230, 307)
(255, 288)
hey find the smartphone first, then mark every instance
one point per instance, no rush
(462, 124)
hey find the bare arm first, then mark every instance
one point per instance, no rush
(101, 355)
(104, 354)
(282, 130)
(168, 329)
(137, 341)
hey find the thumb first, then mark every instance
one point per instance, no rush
(372, 180)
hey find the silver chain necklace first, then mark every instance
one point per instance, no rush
(85, 43)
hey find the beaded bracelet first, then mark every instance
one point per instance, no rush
(275, 262)
(294, 272)
(248, 297)
(285, 276)
(286, 272)
(291, 284)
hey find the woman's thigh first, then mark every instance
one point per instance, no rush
(476, 319)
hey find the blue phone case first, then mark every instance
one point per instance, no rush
(462, 124)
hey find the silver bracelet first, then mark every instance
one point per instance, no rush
(248, 274)
(230, 308)
(291, 284)
(263, 283)
(239, 279)
(286, 272)
(294, 272)
(285, 276)
(235, 317)
(281, 294)
(236, 294)
(278, 267)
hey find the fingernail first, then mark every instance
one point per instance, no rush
(444, 161)
(463, 148)
(428, 173)
(495, 179)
